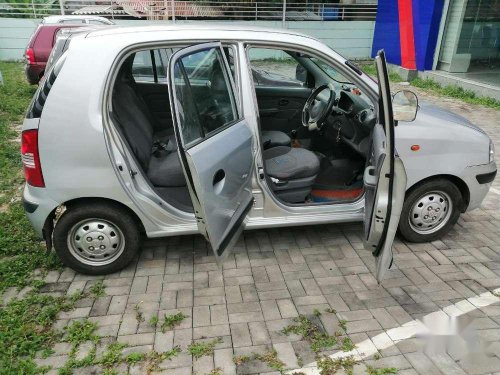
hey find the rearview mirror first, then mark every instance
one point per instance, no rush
(405, 105)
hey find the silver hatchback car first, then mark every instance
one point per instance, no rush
(168, 132)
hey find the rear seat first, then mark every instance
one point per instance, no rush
(155, 152)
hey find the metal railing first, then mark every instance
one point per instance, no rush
(193, 10)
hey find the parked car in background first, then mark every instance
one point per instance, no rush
(136, 144)
(39, 49)
(72, 19)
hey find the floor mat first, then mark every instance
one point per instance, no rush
(336, 194)
(338, 181)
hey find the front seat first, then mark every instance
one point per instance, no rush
(273, 138)
(292, 172)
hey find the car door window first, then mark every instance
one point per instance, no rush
(149, 66)
(204, 95)
(274, 67)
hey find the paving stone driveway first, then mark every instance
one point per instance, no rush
(274, 275)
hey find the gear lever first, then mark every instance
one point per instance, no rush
(295, 141)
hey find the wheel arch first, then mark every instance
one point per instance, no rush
(48, 226)
(457, 181)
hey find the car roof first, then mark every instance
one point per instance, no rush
(83, 29)
(145, 30)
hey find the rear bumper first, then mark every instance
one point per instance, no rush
(479, 179)
(37, 207)
(29, 207)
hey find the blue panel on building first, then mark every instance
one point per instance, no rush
(386, 34)
(426, 18)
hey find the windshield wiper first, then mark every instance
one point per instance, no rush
(354, 67)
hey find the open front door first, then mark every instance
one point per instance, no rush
(214, 143)
(384, 179)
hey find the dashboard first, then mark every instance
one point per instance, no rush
(351, 121)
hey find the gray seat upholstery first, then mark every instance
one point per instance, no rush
(287, 163)
(166, 170)
(292, 172)
(162, 167)
(273, 138)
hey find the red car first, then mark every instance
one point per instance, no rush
(39, 48)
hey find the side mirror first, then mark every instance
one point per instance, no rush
(404, 105)
(300, 73)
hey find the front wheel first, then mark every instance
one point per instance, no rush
(430, 210)
(96, 238)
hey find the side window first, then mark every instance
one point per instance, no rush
(142, 68)
(203, 94)
(149, 66)
(273, 67)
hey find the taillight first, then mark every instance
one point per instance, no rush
(30, 56)
(31, 158)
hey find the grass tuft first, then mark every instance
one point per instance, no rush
(26, 328)
(239, 360)
(309, 331)
(451, 91)
(271, 359)
(456, 92)
(381, 371)
(203, 348)
(153, 321)
(97, 289)
(330, 366)
(81, 331)
(170, 321)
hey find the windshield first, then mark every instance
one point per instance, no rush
(329, 71)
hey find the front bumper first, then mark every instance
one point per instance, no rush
(479, 179)
(486, 178)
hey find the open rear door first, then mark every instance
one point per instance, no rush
(384, 180)
(214, 143)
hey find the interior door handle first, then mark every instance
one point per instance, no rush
(218, 176)
(283, 102)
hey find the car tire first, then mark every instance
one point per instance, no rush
(430, 210)
(96, 238)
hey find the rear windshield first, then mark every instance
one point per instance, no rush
(38, 102)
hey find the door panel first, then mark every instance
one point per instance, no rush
(384, 180)
(219, 181)
(215, 143)
(280, 108)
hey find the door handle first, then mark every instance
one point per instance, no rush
(218, 176)
(283, 102)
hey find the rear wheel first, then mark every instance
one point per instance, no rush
(96, 238)
(430, 210)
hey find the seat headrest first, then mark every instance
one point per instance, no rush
(125, 72)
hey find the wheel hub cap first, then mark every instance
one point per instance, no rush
(95, 241)
(430, 212)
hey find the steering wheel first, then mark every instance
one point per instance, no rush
(316, 111)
